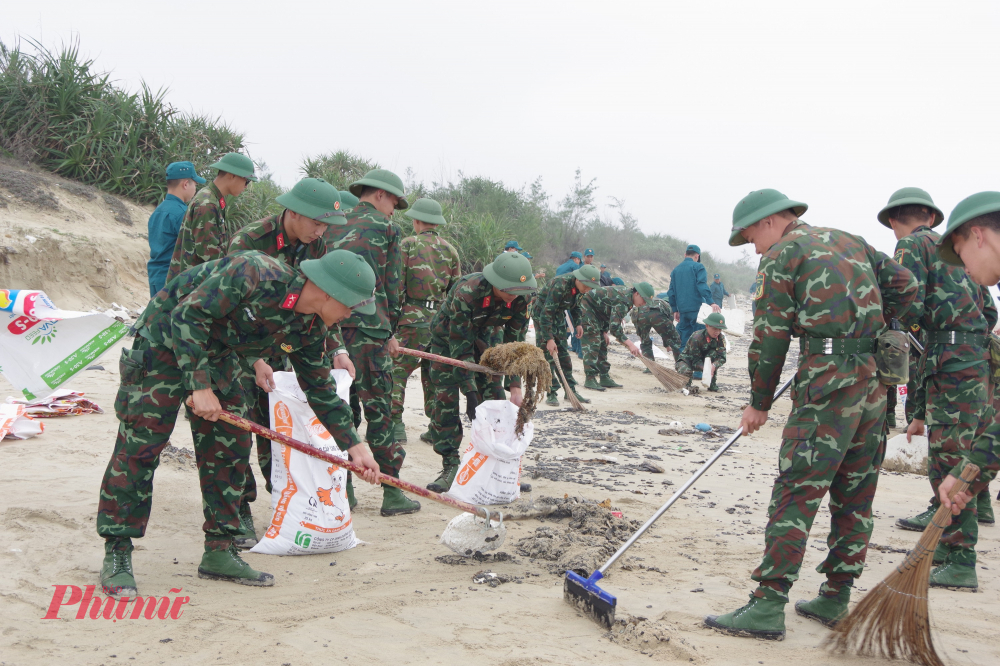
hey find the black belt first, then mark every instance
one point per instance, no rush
(836, 345)
(955, 338)
(430, 305)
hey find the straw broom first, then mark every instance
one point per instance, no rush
(670, 379)
(892, 620)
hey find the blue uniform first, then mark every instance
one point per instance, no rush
(568, 267)
(718, 292)
(688, 290)
(164, 225)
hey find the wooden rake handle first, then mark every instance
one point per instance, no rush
(257, 429)
(475, 367)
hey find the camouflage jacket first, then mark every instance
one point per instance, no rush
(375, 237)
(947, 301)
(650, 315)
(822, 283)
(552, 302)
(609, 305)
(269, 236)
(430, 268)
(243, 306)
(471, 312)
(204, 235)
(700, 346)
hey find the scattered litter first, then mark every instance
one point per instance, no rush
(647, 466)
(475, 557)
(703, 427)
(15, 424)
(492, 579)
(62, 402)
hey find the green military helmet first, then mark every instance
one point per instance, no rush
(510, 272)
(589, 275)
(967, 209)
(645, 290)
(236, 164)
(755, 207)
(383, 179)
(715, 320)
(344, 276)
(316, 199)
(348, 200)
(907, 196)
(426, 210)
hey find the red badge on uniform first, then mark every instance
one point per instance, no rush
(289, 301)
(508, 304)
(222, 203)
(486, 302)
(281, 241)
(572, 291)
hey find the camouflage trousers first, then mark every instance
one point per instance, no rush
(148, 401)
(403, 366)
(562, 353)
(669, 335)
(595, 347)
(373, 388)
(259, 411)
(445, 411)
(831, 442)
(959, 410)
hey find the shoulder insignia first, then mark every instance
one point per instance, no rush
(486, 302)
(287, 347)
(289, 302)
(758, 285)
(898, 257)
(222, 203)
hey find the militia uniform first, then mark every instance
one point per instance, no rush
(602, 311)
(548, 311)
(471, 312)
(431, 267)
(205, 234)
(658, 316)
(825, 287)
(376, 238)
(701, 346)
(953, 392)
(316, 199)
(191, 337)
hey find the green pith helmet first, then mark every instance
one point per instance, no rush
(236, 164)
(426, 210)
(383, 179)
(345, 277)
(967, 209)
(755, 207)
(347, 200)
(715, 320)
(910, 195)
(645, 290)
(316, 199)
(510, 272)
(589, 275)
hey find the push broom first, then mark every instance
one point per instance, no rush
(892, 620)
(584, 593)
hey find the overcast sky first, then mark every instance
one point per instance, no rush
(680, 109)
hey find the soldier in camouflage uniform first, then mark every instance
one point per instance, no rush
(430, 268)
(953, 392)
(658, 316)
(479, 303)
(704, 343)
(826, 287)
(205, 233)
(292, 236)
(189, 341)
(563, 294)
(602, 311)
(370, 339)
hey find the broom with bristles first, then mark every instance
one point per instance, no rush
(892, 620)
(670, 379)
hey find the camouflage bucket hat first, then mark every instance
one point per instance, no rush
(907, 196)
(347, 200)
(645, 290)
(715, 320)
(589, 275)
(383, 179)
(344, 276)
(967, 209)
(316, 199)
(892, 358)
(510, 272)
(426, 210)
(755, 207)
(236, 164)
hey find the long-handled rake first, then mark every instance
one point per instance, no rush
(586, 595)
(892, 620)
